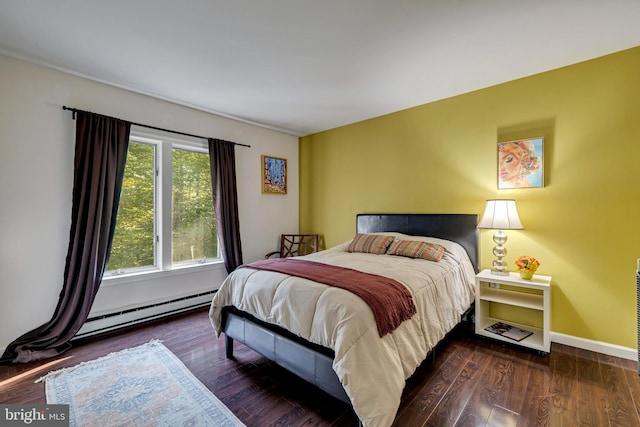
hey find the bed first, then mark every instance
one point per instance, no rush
(328, 335)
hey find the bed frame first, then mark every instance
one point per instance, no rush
(310, 361)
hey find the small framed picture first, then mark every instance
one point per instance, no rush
(520, 164)
(274, 175)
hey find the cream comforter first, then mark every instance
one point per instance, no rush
(372, 370)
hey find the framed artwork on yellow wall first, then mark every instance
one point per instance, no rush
(520, 163)
(274, 175)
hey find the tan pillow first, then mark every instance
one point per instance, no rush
(370, 243)
(416, 249)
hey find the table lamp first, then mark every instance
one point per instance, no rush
(500, 215)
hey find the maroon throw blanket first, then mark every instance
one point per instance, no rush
(391, 302)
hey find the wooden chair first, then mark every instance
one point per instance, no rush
(295, 245)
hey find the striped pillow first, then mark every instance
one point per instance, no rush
(370, 243)
(416, 249)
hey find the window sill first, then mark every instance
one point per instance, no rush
(138, 276)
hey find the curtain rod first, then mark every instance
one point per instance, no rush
(75, 110)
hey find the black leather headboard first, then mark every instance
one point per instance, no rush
(460, 228)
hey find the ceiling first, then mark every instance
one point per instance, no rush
(301, 66)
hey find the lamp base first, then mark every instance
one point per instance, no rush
(499, 266)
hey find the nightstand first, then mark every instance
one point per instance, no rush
(532, 297)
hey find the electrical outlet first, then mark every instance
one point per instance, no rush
(494, 285)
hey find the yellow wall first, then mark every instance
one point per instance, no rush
(584, 225)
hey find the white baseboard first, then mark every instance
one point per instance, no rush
(597, 346)
(130, 317)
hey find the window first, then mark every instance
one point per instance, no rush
(165, 217)
(193, 221)
(134, 239)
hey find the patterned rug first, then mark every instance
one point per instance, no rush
(141, 386)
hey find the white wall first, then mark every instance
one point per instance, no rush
(36, 175)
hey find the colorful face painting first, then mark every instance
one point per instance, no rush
(520, 164)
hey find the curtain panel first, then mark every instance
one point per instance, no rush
(100, 156)
(225, 200)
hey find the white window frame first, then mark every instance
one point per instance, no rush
(163, 263)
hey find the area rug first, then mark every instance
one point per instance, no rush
(141, 386)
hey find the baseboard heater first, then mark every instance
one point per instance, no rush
(122, 319)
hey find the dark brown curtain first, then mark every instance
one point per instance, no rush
(100, 157)
(225, 200)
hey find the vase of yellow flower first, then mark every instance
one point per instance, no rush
(527, 266)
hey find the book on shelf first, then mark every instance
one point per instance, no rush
(508, 331)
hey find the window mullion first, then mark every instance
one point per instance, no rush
(163, 209)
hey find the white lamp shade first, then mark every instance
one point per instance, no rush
(501, 215)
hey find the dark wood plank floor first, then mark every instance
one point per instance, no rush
(470, 382)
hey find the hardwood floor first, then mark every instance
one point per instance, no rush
(470, 382)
